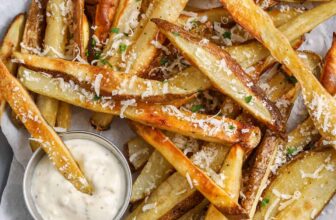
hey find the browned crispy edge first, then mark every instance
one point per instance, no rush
(35, 25)
(78, 16)
(278, 122)
(328, 78)
(105, 11)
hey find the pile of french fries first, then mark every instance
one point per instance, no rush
(208, 92)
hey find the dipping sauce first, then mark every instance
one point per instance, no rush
(55, 198)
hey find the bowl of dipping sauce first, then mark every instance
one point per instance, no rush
(49, 196)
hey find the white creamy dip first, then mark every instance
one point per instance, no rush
(56, 198)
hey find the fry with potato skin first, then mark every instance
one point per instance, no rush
(225, 74)
(166, 117)
(216, 195)
(328, 78)
(320, 104)
(22, 104)
(10, 43)
(105, 11)
(119, 85)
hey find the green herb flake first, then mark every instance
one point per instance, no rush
(122, 48)
(196, 108)
(291, 79)
(106, 62)
(264, 202)
(96, 98)
(115, 30)
(248, 99)
(163, 61)
(87, 53)
(97, 55)
(231, 127)
(93, 42)
(291, 151)
(227, 34)
(176, 33)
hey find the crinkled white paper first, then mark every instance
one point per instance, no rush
(12, 205)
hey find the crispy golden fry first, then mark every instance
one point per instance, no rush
(107, 82)
(295, 193)
(63, 119)
(320, 104)
(174, 196)
(187, 79)
(22, 104)
(144, 49)
(138, 151)
(196, 213)
(35, 24)
(124, 29)
(195, 176)
(105, 11)
(10, 43)
(157, 170)
(224, 73)
(232, 170)
(167, 117)
(328, 78)
(55, 42)
(86, 33)
(260, 171)
(78, 27)
(251, 53)
(212, 15)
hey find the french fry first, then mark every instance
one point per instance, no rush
(54, 40)
(187, 79)
(64, 114)
(251, 53)
(106, 82)
(22, 104)
(157, 170)
(166, 117)
(10, 43)
(78, 28)
(195, 176)
(329, 72)
(124, 29)
(144, 49)
(320, 104)
(196, 213)
(232, 170)
(295, 193)
(174, 196)
(138, 152)
(224, 73)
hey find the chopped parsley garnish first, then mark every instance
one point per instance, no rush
(264, 202)
(231, 127)
(122, 48)
(115, 30)
(227, 34)
(291, 151)
(248, 99)
(196, 108)
(96, 98)
(87, 53)
(291, 79)
(176, 33)
(97, 55)
(106, 62)
(93, 42)
(163, 61)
